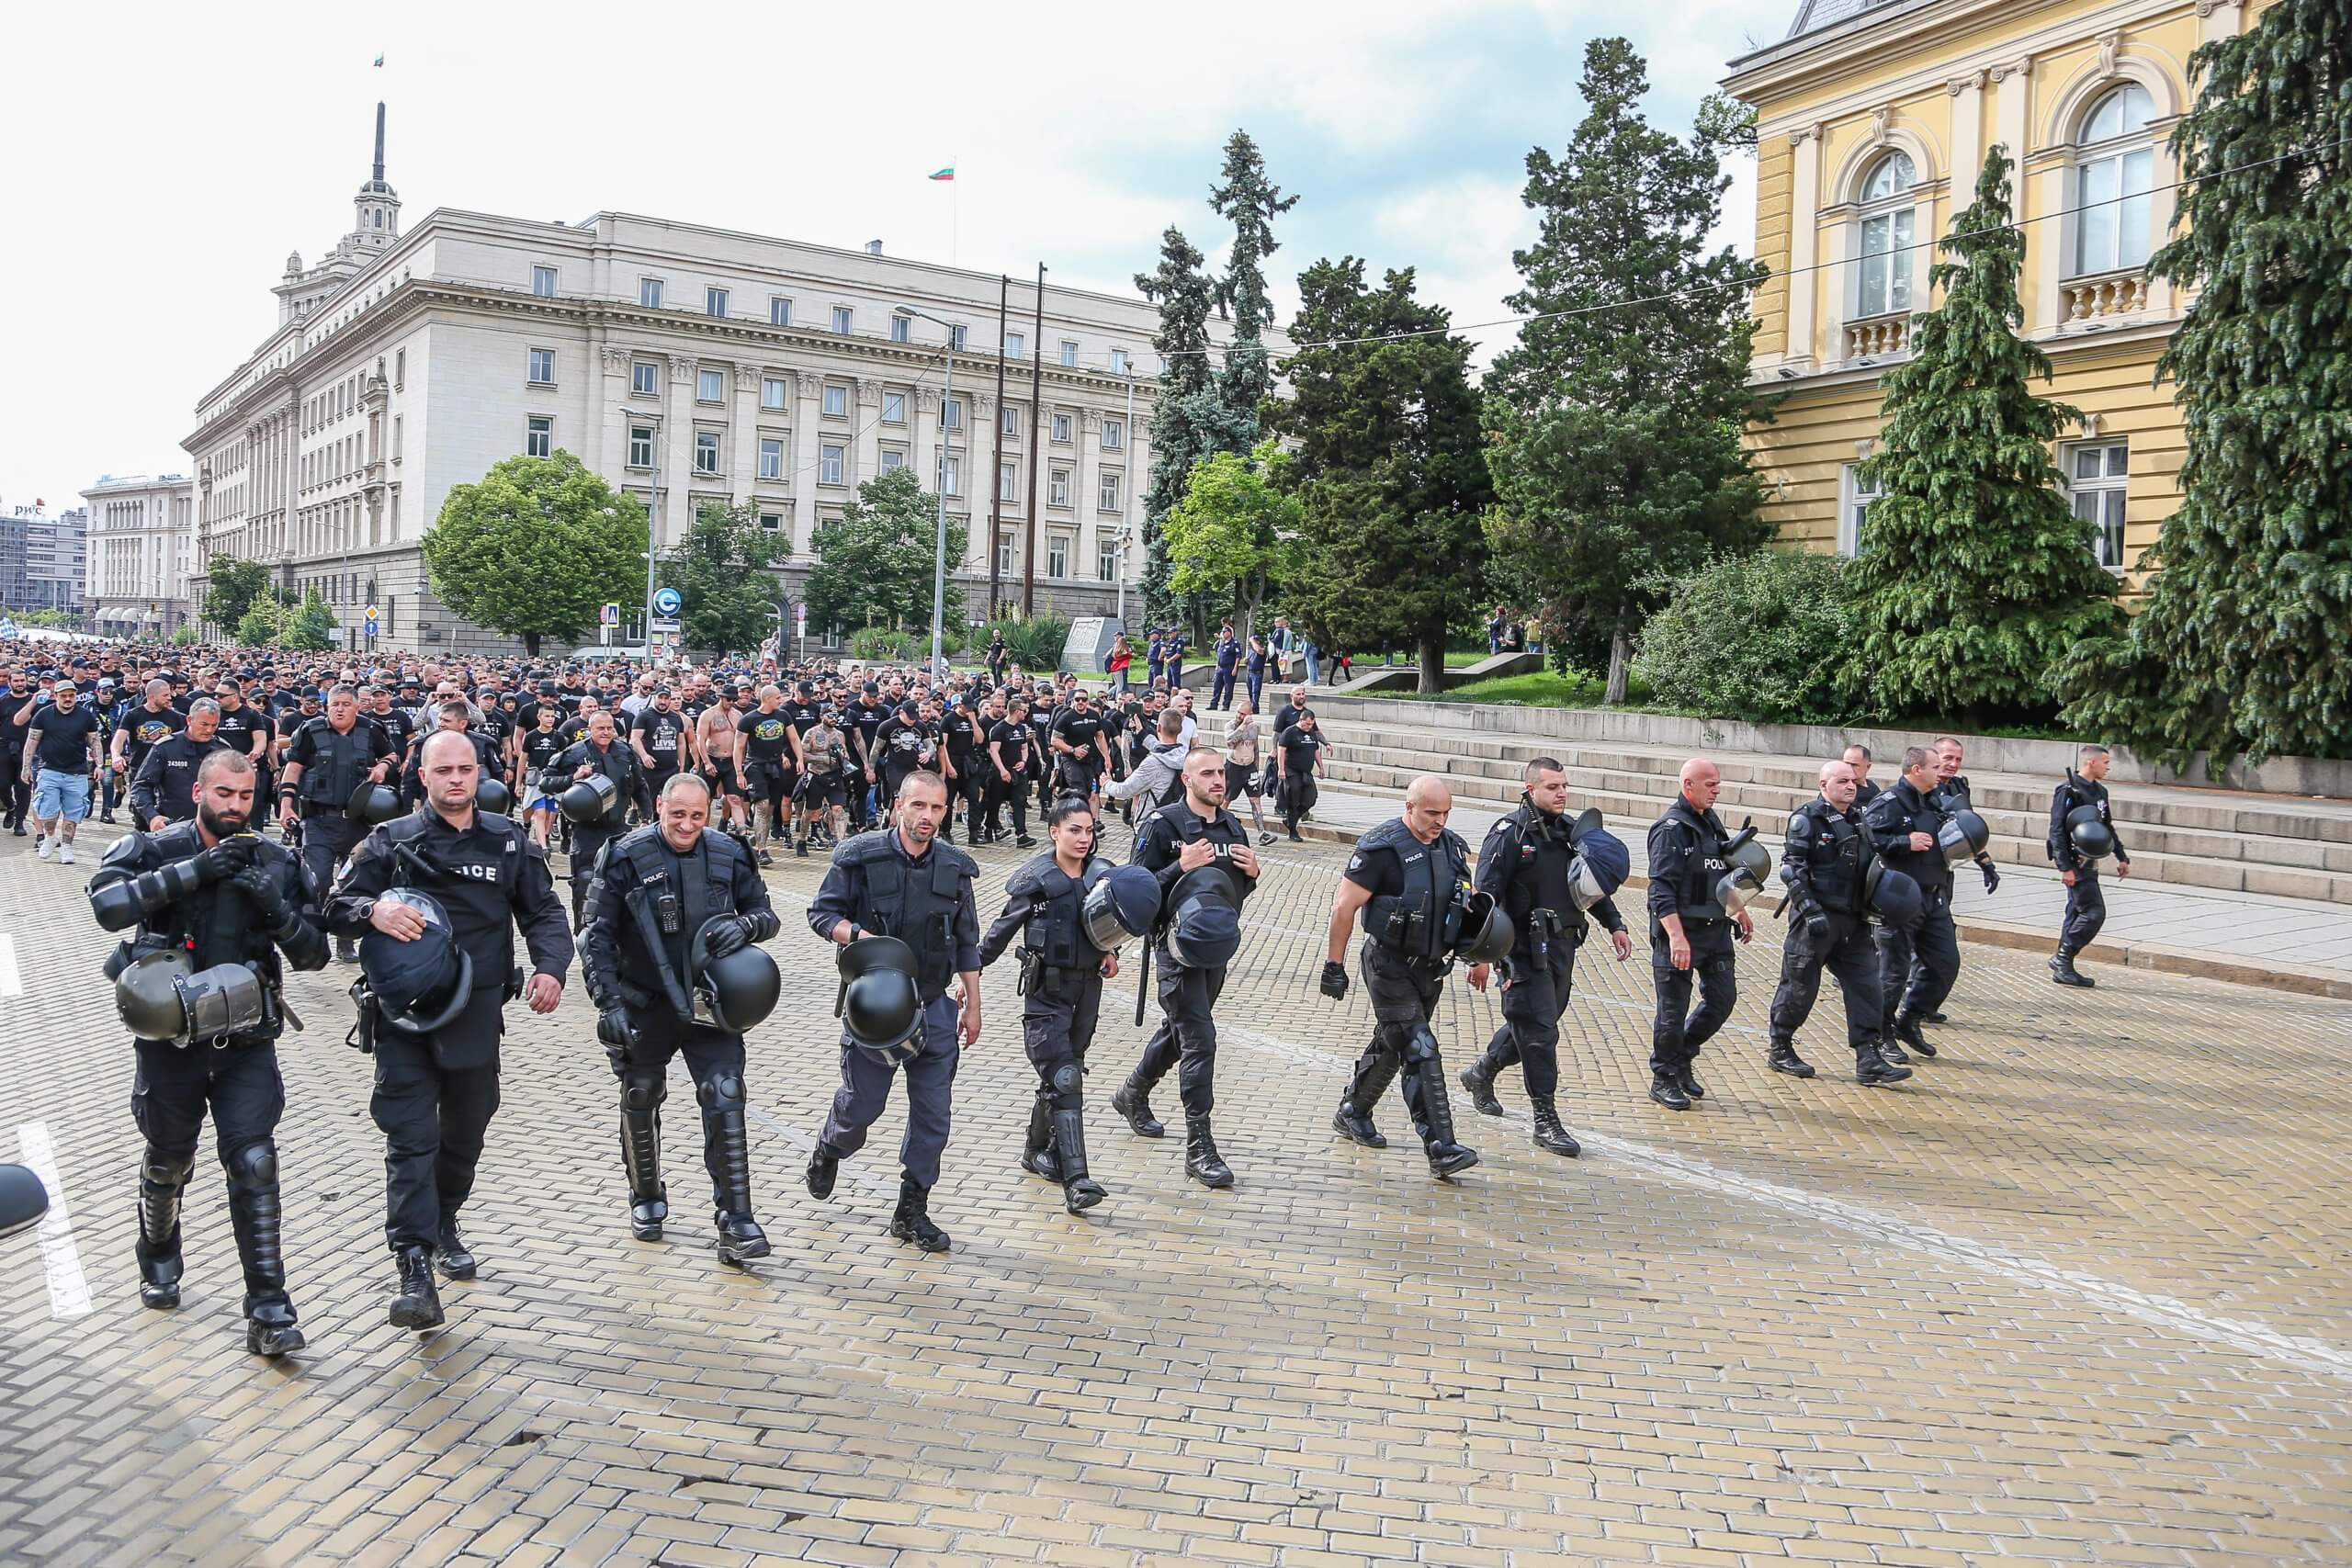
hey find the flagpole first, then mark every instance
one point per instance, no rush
(956, 211)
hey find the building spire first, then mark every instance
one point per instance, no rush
(379, 142)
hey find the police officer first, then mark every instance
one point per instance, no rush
(210, 889)
(163, 792)
(1951, 796)
(1061, 988)
(1403, 877)
(454, 716)
(328, 759)
(901, 883)
(2082, 786)
(1691, 933)
(660, 897)
(1901, 824)
(1175, 840)
(1823, 864)
(435, 1092)
(596, 754)
(1526, 864)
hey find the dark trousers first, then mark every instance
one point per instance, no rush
(327, 836)
(2086, 913)
(1221, 688)
(931, 1078)
(1917, 967)
(15, 792)
(1056, 1028)
(1186, 1035)
(1677, 1031)
(1002, 793)
(1295, 796)
(1404, 996)
(433, 1119)
(588, 841)
(714, 1058)
(1848, 953)
(1533, 1003)
(171, 1089)
(1257, 679)
(969, 786)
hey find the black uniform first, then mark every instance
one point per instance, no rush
(1296, 797)
(1187, 1031)
(1911, 991)
(1012, 740)
(1822, 865)
(1524, 867)
(253, 901)
(2086, 904)
(166, 784)
(645, 904)
(1686, 861)
(1403, 961)
(486, 758)
(619, 763)
(1061, 990)
(435, 1093)
(16, 790)
(334, 764)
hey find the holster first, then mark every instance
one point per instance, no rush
(362, 1037)
(1033, 968)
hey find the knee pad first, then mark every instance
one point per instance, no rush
(721, 1091)
(160, 1170)
(254, 1167)
(1419, 1046)
(640, 1093)
(1068, 1076)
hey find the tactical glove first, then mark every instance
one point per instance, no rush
(269, 904)
(615, 1030)
(726, 936)
(1817, 924)
(1335, 981)
(1991, 877)
(227, 858)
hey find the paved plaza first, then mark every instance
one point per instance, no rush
(2081, 1292)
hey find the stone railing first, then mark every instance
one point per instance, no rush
(1874, 336)
(2105, 295)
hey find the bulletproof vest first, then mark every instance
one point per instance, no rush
(1834, 867)
(182, 757)
(1904, 809)
(1055, 931)
(1695, 896)
(215, 925)
(914, 903)
(1412, 923)
(1221, 835)
(678, 893)
(337, 761)
(1540, 879)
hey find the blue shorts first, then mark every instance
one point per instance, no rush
(61, 794)
(544, 802)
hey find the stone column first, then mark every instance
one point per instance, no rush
(807, 443)
(1089, 483)
(866, 455)
(1967, 134)
(927, 444)
(1805, 232)
(743, 434)
(612, 415)
(678, 457)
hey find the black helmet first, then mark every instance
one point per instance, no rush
(419, 985)
(591, 799)
(491, 793)
(1751, 867)
(373, 803)
(1121, 901)
(1892, 894)
(160, 996)
(2092, 839)
(1963, 837)
(735, 991)
(1204, 921)
(879, 1010)
(1485, 930)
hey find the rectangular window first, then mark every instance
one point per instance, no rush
(956, 334)
(649, 293)
(1008, 481)
(1058, 488)
(640, 445)
(400, 370)
(543, 282)
(779, 310)
(828, 465)
(1016, 346)
(1106, 560)
(399, 435)
(1008, 419)
(1106, 498)
(1005, 563)
(714, 302)
(705, 451)
(951, 479)
(772, 520)
(1070, 352)
(1855, 496)
(644, 379)
(1057, 557)
(1061, 429)
(1886, 265)
(539, 436)
(1118, 362)
(836, 401)
(543, 367)
(773, 392)
(841, 319)
(710, 386)
(1114, 434)
(893, 458)
(2098, 477)
(894, 408)
(771, 458)
(902, 328)
(952, 413)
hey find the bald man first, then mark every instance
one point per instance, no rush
(1827, 852)
(1691, 933)
(1403, 877)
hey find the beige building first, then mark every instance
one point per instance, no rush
(142, 532)
(1873, 119)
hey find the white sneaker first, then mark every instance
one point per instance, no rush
(40, 847)
(65, 854)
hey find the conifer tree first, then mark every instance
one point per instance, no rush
(1189, 421)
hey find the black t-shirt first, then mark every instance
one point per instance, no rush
(238, 728)
(1287, 716)
(1376, 871)
(959, 737)
(396, 724)
(1079, 729)
(905, 743)
(61, 740)
(1011, 742)
(289, 721)
(803, 716)
(12, 733)
(661, 733)
(145, 729)
(766, 736)
(1299, 747)
(867, 721)
(540, 748)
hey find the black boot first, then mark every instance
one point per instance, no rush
(346, 950)
(1201, 1162)
(1906, 1029)
(2063, 972)
(1081, 1192)
(741, 1239)
(1478, 1079)
(418, 1305)
(450, 1253)
(1550, 1137)
(1353, 1119)
(822, 1164)
(1784, 1059)
(161, 1181)
(1690, 1085)
(739, 1236)
(1871, 1067)
(1037, 1151)
(1426, 1080)
(255, 1213)
(1356, 1126)
(649, 1200)
(1666, 1089)
(1892, 1053)
(911, 1220)
(1131, 1103)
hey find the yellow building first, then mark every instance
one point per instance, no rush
(1873, 116)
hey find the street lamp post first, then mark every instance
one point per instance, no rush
(939, 550)
(652, 538)
(1127, 497)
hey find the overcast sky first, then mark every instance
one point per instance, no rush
(163, 160)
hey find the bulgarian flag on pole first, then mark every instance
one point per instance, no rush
(946, 174)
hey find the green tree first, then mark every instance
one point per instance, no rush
(875, 561)
(1615, 419)
(536, 548)
(1974, 577)
(725, 571)
(1766, 636)
(1189, 421)
(1390, 468)
(263, 619)
(2245, 640)
(311, 627)
(1251, 203)
(185, 637)
(1230, 537)
(233, 587)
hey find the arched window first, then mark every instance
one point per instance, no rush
(2115, 170)
(1886, 235)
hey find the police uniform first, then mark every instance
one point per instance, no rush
(1523, 865)
(1403, 960)
(619, 763)
(335, 763)
(2085, 903)
(1686, 862)
(253, 900)
(166, 784)
(646, 902)
(1822, 864)
(1913, 990)
(880, 889)
(1061, 997)
(435, 1093)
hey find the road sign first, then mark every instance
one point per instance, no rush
(610, 616)
(371, 615)
(666, 603)
(666, 627)
(800, 620)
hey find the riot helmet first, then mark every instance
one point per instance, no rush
(591, 799)
(420, 985)
(1204, 921)
(2092, 839)
(878, 1008)
(491, 793)
(1963, 837)
(1485, 934)
(373, 803)
(1751, 866)
(1121, 903)
(161, 996)
(1892, 895)
(735, 990)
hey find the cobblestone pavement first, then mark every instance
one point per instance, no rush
(2077, 1293)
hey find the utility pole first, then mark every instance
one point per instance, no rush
(1036, 397)
(996, 491)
